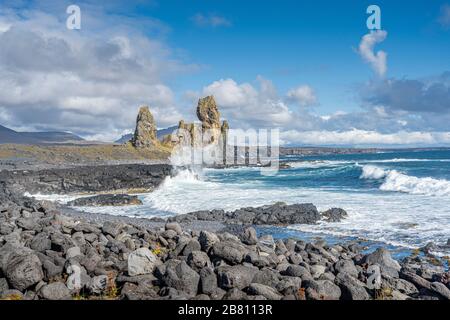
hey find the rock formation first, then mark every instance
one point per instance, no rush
(208, 113)
(145, 133)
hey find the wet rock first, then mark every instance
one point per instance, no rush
(106, 200)
(334, 215)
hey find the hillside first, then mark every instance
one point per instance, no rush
(10, 136)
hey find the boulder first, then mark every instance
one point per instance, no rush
(324, 289)
(351, 288)
(383, 258)
(141, 261)
(23, 269)
(41, 242)
(182, 277)
(175, 226)
(334, 215)
(112, 228)
(55, 291)
(249, 236)
(238, 276)
(98, 284)
(346, 266)
(297, 271)
(197, 260)
(104, 200)
(230, 251)
(208, 281)
(441, 289)
(415, 279)
(260, 289)
(207, 240)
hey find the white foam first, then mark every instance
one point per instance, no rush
(372, 172)
(397, 181)
(400, 182)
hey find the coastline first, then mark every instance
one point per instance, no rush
(185, 258)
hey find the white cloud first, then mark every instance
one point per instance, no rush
(250, 106)
(210, 20)
(303, 95)
(91, 84)
(363, 137)
(378, 60)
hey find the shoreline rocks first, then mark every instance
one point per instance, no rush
(276, 215)
(45, 254)
(89, 179)
(105, 200)
(66, 258)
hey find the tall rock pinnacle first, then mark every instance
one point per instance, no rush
(208, 114)
(145, 133)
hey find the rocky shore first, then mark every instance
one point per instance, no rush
(88, 179)
(48, 254)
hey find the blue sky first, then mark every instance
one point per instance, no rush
(295, 65)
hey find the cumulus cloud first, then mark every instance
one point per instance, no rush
(444, 16)
(210, 20)
(377, 60)
(85, 82)
(303, 95)
(249, 105)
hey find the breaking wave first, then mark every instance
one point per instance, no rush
(401, 182)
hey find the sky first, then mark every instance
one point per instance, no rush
(311, 69)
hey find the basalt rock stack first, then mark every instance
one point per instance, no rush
(145, 133)
(208, 132)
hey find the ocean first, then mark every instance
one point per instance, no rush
(399, 198)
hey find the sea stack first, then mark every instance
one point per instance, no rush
(145, 133)
(208, 114)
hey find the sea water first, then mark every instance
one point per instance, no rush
(400, 198)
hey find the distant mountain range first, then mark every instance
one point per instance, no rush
(10, 136)
(160, 133)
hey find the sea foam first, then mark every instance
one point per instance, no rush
(401, 182)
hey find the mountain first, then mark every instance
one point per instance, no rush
(159, 133)
(10, 136)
